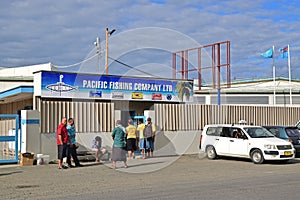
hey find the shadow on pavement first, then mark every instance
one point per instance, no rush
(145, 164)
(10, 173)
(94, 164)
(276, 162)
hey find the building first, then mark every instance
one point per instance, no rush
(94, 101)
(253, 92)
(45, 95)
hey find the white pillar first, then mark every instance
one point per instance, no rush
(30, 127)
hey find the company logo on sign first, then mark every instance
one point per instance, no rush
(169, 97)
(156, 96)
(137, 95)
(95, 94)
(117, 95)
(60, 86)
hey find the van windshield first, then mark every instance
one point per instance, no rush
(292, 132)
(258, 132)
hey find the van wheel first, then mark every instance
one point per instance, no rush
(211, 152)
(257, 157)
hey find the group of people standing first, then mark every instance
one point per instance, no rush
(66, 143)
(125, 142)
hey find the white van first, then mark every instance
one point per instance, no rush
(244, 141)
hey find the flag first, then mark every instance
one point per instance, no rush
(268, 54)
(284, 52)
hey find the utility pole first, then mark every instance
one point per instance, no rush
(98, 51)
(107, 32)
(106, 51)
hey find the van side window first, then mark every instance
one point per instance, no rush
(237, 133)
(214, 131)
(226, 132)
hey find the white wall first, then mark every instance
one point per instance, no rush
(151, 114)
(166, 143)
(84, 140)
(7, 85)
(25, 71)
(176, 143)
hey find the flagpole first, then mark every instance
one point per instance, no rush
(289, 67)
(274, 78)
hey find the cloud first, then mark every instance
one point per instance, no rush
(63, 32)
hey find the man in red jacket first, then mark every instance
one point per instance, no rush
(61, 140)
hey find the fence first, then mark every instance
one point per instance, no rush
(13, 107)
(9, 138)
(178, 117)
(99, 116)
(88, 116)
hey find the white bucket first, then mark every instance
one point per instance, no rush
(42, 159)
(46, 159)
(39, 159)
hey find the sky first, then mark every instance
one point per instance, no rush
(147, 32)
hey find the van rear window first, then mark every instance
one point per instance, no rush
(214, 131)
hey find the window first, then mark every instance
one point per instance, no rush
(274, 131)
(258, 132)
(214, 131)
(226, 132)
(292, 132)
(237, 133)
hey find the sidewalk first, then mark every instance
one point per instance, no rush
(140, 165)
(94, 180)
(137, 165)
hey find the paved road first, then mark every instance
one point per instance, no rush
(188, 177)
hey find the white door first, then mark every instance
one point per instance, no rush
(222, 145)
(238, 146)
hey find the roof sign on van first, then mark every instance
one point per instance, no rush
(243, 122)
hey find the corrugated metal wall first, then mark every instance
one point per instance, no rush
(99, 116)
(88, 116)
(12, 108)
(177, 117)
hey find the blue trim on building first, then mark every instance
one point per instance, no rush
(17, 90)
(30, 121)
(7, 138)
(9, 116)
(8, 161)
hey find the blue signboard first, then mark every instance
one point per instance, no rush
(86, 86)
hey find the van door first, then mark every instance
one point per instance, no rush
(222, 142)
(238, 143)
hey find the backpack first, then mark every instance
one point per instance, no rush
(148, 131)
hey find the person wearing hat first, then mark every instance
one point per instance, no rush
(131, 139)
(149, 135)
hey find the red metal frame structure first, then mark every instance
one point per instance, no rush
(215, 60)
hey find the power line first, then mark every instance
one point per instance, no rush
(77, 63)
(116, 60)
(131, 67)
